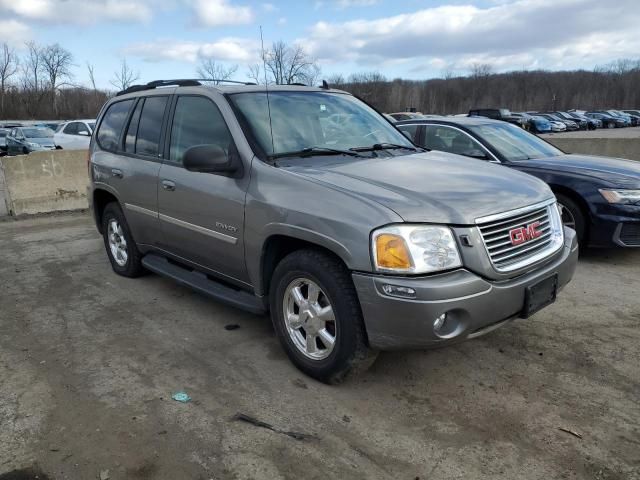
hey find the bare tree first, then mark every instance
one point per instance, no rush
(290, 64)
(56, 64)
(125, 77)
(8, 68)
(255, 73)
(213, 70)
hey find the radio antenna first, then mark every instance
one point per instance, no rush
(266, 87)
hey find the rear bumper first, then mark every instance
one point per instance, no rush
(473, 305)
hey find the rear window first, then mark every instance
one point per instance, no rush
(147, 142)
(112, 123)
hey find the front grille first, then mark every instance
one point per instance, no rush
(507, 257)
(630, 234)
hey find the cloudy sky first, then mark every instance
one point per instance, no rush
(400, 38)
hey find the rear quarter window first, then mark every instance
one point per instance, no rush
(112, 124)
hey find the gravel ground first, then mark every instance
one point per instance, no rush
(89, 360)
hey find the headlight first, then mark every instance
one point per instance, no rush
(625, 197)
(414, 249)
(33, 145)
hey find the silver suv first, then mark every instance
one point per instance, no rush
(308, 203)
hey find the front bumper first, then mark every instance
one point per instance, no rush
(614, 226)
(473, 304)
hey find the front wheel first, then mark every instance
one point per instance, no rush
(572, 216)
(317, 317)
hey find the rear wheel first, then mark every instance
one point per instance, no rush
(316, 314)
(572, 216)
(121, 248)
(611, 125)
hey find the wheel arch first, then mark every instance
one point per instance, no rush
(101, 198)
(279, 245)
(579, 200)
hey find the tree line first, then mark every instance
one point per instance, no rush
(612, 86)
(39, 84)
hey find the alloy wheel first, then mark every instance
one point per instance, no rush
(117, 243)
(309, 319)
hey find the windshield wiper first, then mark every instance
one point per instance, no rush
(385, 146)
(312, 151)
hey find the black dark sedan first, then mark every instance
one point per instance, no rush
(599, 196)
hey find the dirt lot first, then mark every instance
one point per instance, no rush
(89, 360)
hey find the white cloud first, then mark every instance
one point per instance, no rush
(282, 21)
(215, 13)
(78, 11)
(225, 49)
(269, 7)
(516, 34)
(14, 32)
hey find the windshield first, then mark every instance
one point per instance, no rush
(514, 143)
(303, 120)
(37, 132)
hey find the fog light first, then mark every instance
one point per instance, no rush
(439, 322)
(398, 291)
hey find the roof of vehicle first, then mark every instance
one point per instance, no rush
(465, 121)
(233, 87)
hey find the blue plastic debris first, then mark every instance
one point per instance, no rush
(181, 397)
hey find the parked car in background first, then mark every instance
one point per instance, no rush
(635, 118)
(23, 140)
(10, 124)
(582, 124)
(607, 120)
(405, 115)
(52, 125)
(534, 123)
(355, 240)
(557, 126)
(599, 196)
(593, 123)
(632, 112)
(628, 122)
(503, 114)
(570, 124)
(74, 135)
(3, 141)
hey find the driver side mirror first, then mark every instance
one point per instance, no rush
(208, 159)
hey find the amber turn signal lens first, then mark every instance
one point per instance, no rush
(392, 252)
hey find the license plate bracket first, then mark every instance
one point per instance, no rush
(540, 295)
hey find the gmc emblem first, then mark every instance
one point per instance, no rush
(522, 235)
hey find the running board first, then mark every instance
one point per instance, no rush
(203, 284)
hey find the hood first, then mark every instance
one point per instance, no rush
(618, 172)
(432, 187)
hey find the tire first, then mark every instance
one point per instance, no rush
(122, 240)
(349, 354)
(611, 125)
(573, 216)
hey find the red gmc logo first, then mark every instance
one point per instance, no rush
(522, 235)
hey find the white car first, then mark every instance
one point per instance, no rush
(557, 126)
(74, 135)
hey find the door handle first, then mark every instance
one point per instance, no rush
(116, 172)
(168, 185)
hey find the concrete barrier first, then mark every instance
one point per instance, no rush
(607, 147)
(45, 181)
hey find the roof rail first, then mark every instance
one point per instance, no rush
(184, 82)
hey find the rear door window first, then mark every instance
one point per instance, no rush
(112, 124)
(150, 125)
